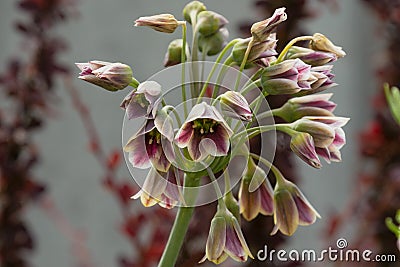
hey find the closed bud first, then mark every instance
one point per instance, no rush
(192, 9)
(312, 105)
(213, 44)
(109, 76)
(235, 105)
(161, 23)
(323, 135)
(311, 57)
(261, 30)
(258, 50)
(209, 22)
(320, 42)
(173, 55)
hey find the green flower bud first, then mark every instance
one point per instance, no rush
(209, 22)
(173, 55)
(192, 9)
(321, 43)
(213, 44)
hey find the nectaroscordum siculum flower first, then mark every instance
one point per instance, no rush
(152, 145)
(225, 239)
(204, 133)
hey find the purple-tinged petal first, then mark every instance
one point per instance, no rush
(184, 135)
(267, 198)
(302, 145)
(138, 153)
(286, 215)
(324, 153)
(220, 141)
(340, 138)
(249, 202)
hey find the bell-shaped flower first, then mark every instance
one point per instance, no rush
(291, 208)
(161, 188)
(255, 193)
(161, 23)
(320, 42)
(323, 79)
(327, 134)
(204, 133)
(310, 105)
(234, 105)
(213, 44)
(226, 239)
(209, 22)
(143, 101)
(258, 51)
(262, 29)
(287, 77)
(109, 76)
(310, 57)
(152, 144)
(302, 144)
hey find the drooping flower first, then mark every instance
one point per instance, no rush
(143, 101)
(288, 77)
(291, 208)
(310, 105)
(320, 42)
(173, 55)
(235, 105)
(204, 133)
(152, 145)
(327, 134)
(225, 239)
(192, 9)
(161, 188)
(110, 76)
(302, 144)
(310, 57)
(255, 193)
(161, 23)
(323, 79)
(262, 29)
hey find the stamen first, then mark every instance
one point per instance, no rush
(202, 130)
(211, 130)
(150, 141)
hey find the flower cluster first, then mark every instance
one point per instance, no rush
(217, 121)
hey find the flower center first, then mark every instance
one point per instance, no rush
(205, 126)
(153, 137)
(141, 100)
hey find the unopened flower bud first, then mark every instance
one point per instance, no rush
(312, 105)
(192, 9)
(258, 50)
(311, 57)
(110, 76)
(323, 135)
(213, 44)
(162, 23)
(321, 43)
(261, 30)
(235, 105)
(209, 22)
(173, 55)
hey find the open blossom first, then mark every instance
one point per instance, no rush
(152, 145)
(161, 188)
(262, 29)
(235, 105)
(226, 239)
(204, 133)
(302, 144)
(287, 77)
(143, 101)
(110, 76)
(323, 79)
(291, 208)
(327, 134)
(310, 105)
(255, 200)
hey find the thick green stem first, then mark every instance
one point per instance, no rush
(289, 45)
(181, 224)
(183, 60)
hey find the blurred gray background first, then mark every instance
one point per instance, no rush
(105, 31)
